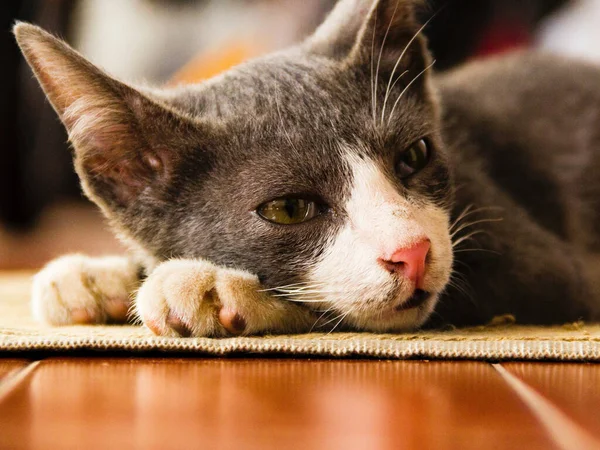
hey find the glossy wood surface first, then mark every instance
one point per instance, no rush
(9, 366)
(574, 388)
(264, 404)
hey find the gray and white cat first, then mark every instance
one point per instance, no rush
(334, 185)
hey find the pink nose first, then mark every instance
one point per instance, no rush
(409, 262)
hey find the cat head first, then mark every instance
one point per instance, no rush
(319, 168)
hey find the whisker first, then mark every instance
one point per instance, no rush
(456, 278)
(485, 250)
(320, 317)
(470, 224)
(297, 300)
(340, 321)
(379, 59)
(464, 264)
(373, 104)
(465, 212)
(467, 237)
(292, 286)
(463, 290)
(306, 292)
(419, 75)
(304, 288)
(394, 85)
(469, 212)
(332, 320)
(389, 88)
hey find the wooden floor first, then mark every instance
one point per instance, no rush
(139, 403)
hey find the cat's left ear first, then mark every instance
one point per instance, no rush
(120, 134)
(382, 32)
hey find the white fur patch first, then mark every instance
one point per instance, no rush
(195, 291)
(381, 221)
(80, 289)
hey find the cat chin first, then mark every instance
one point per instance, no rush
(393, 320)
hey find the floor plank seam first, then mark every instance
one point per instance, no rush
(14, 378)
(565, 432)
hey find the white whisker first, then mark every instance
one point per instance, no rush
(296, 300)
(320, 317)
(476, 222)
(332, 320)
(278, 288)
(467, 237)
(484, 250)
(461, 216)
(468, 211)
(389, 86)
(373, 104)
(340, 321)
(392, 88)
(419, 75)
(306, 292)
(379, 59)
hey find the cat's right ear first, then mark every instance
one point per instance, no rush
(117, 131)
(358, 31)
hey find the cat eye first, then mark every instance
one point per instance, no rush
(288, 211)
(413, 160)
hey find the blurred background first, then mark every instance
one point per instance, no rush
(42, 211)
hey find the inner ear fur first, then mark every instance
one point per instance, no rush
(111, 125)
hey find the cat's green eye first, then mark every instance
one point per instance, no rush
(413, 159)
(288, 211)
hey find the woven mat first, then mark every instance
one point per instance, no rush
(571, 342)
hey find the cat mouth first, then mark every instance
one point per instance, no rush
(412, 305)
(416, 300)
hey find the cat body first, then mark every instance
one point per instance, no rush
(335, 185)
(525, 144)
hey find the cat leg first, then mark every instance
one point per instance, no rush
(197, 298)
(77, 289)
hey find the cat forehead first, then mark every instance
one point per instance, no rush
(276, 85)
(293, 115)
(304, 94)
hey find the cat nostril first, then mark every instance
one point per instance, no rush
(392, 267)
(409, 262)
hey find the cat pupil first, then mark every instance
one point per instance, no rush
(287, 211)
(413, 158)
(292, 208)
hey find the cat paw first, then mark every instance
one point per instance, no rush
(196, 298)
(77, 289)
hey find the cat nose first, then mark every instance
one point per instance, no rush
(409, 261)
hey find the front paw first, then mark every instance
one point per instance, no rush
(196, 298)
(77, 289)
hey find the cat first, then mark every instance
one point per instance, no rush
(336, 185)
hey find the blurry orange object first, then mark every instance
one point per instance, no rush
(216, 61)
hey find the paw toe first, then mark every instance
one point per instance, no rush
(117, 309)
(232, 321)
(83, 317)
(177, 325)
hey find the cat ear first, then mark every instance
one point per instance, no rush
(116, 158)
(383, 32)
